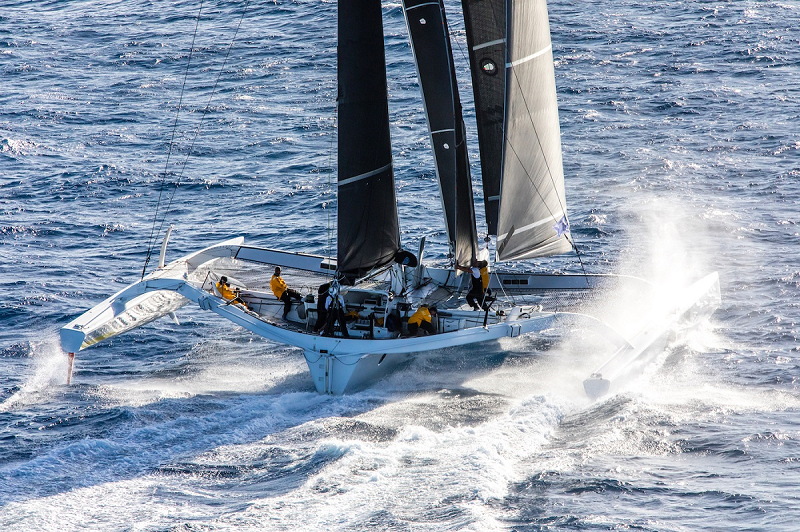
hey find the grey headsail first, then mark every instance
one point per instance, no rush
(532, 218)
(369, 233)
(430, 41)
(485, 22)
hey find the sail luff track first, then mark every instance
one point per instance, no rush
(369, 233)
(430, 42)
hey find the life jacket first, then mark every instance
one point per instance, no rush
(278, 286)
(422, 314)
(225, 291)
(480, 283)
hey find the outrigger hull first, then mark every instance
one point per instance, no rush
(692, 306)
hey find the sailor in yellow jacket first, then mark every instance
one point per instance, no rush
(420, 323)
(283, 292)
(231, 295)
(479, 269)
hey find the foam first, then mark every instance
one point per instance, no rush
(48, 370)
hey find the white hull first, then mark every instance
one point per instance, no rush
(337, 365)
(693, 305)
(339, 374)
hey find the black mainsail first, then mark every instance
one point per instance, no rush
(532, 217)
(369, 232)
(485, 22)
(430, 42)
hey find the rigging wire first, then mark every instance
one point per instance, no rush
(549, 172)
(458, 45)
(544, 156)
(536, 189)
(151, 240)
(330, 184)
(465, 58)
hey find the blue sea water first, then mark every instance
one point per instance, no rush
(682, 155)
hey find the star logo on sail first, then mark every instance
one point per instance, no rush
(562, 226)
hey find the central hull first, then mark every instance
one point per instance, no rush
(340, 374)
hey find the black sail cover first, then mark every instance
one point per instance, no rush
(430, 42)
(369, 233)
(485, 22)
(532, 217)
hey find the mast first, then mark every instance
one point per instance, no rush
(369, 232)
(485, 23)
(532, 221)
(430, 43)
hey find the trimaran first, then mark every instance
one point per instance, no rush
(511, 63)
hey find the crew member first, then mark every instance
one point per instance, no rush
(480, 282)
(322, 309)
(228, 293)
(334, 307)
(421, 322)
(283, 292)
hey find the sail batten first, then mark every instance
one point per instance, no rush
(487, 44)
(348, 180)
(368, 227)
(550, 219)
(549, 48)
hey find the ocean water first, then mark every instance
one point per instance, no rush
(682, 156)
